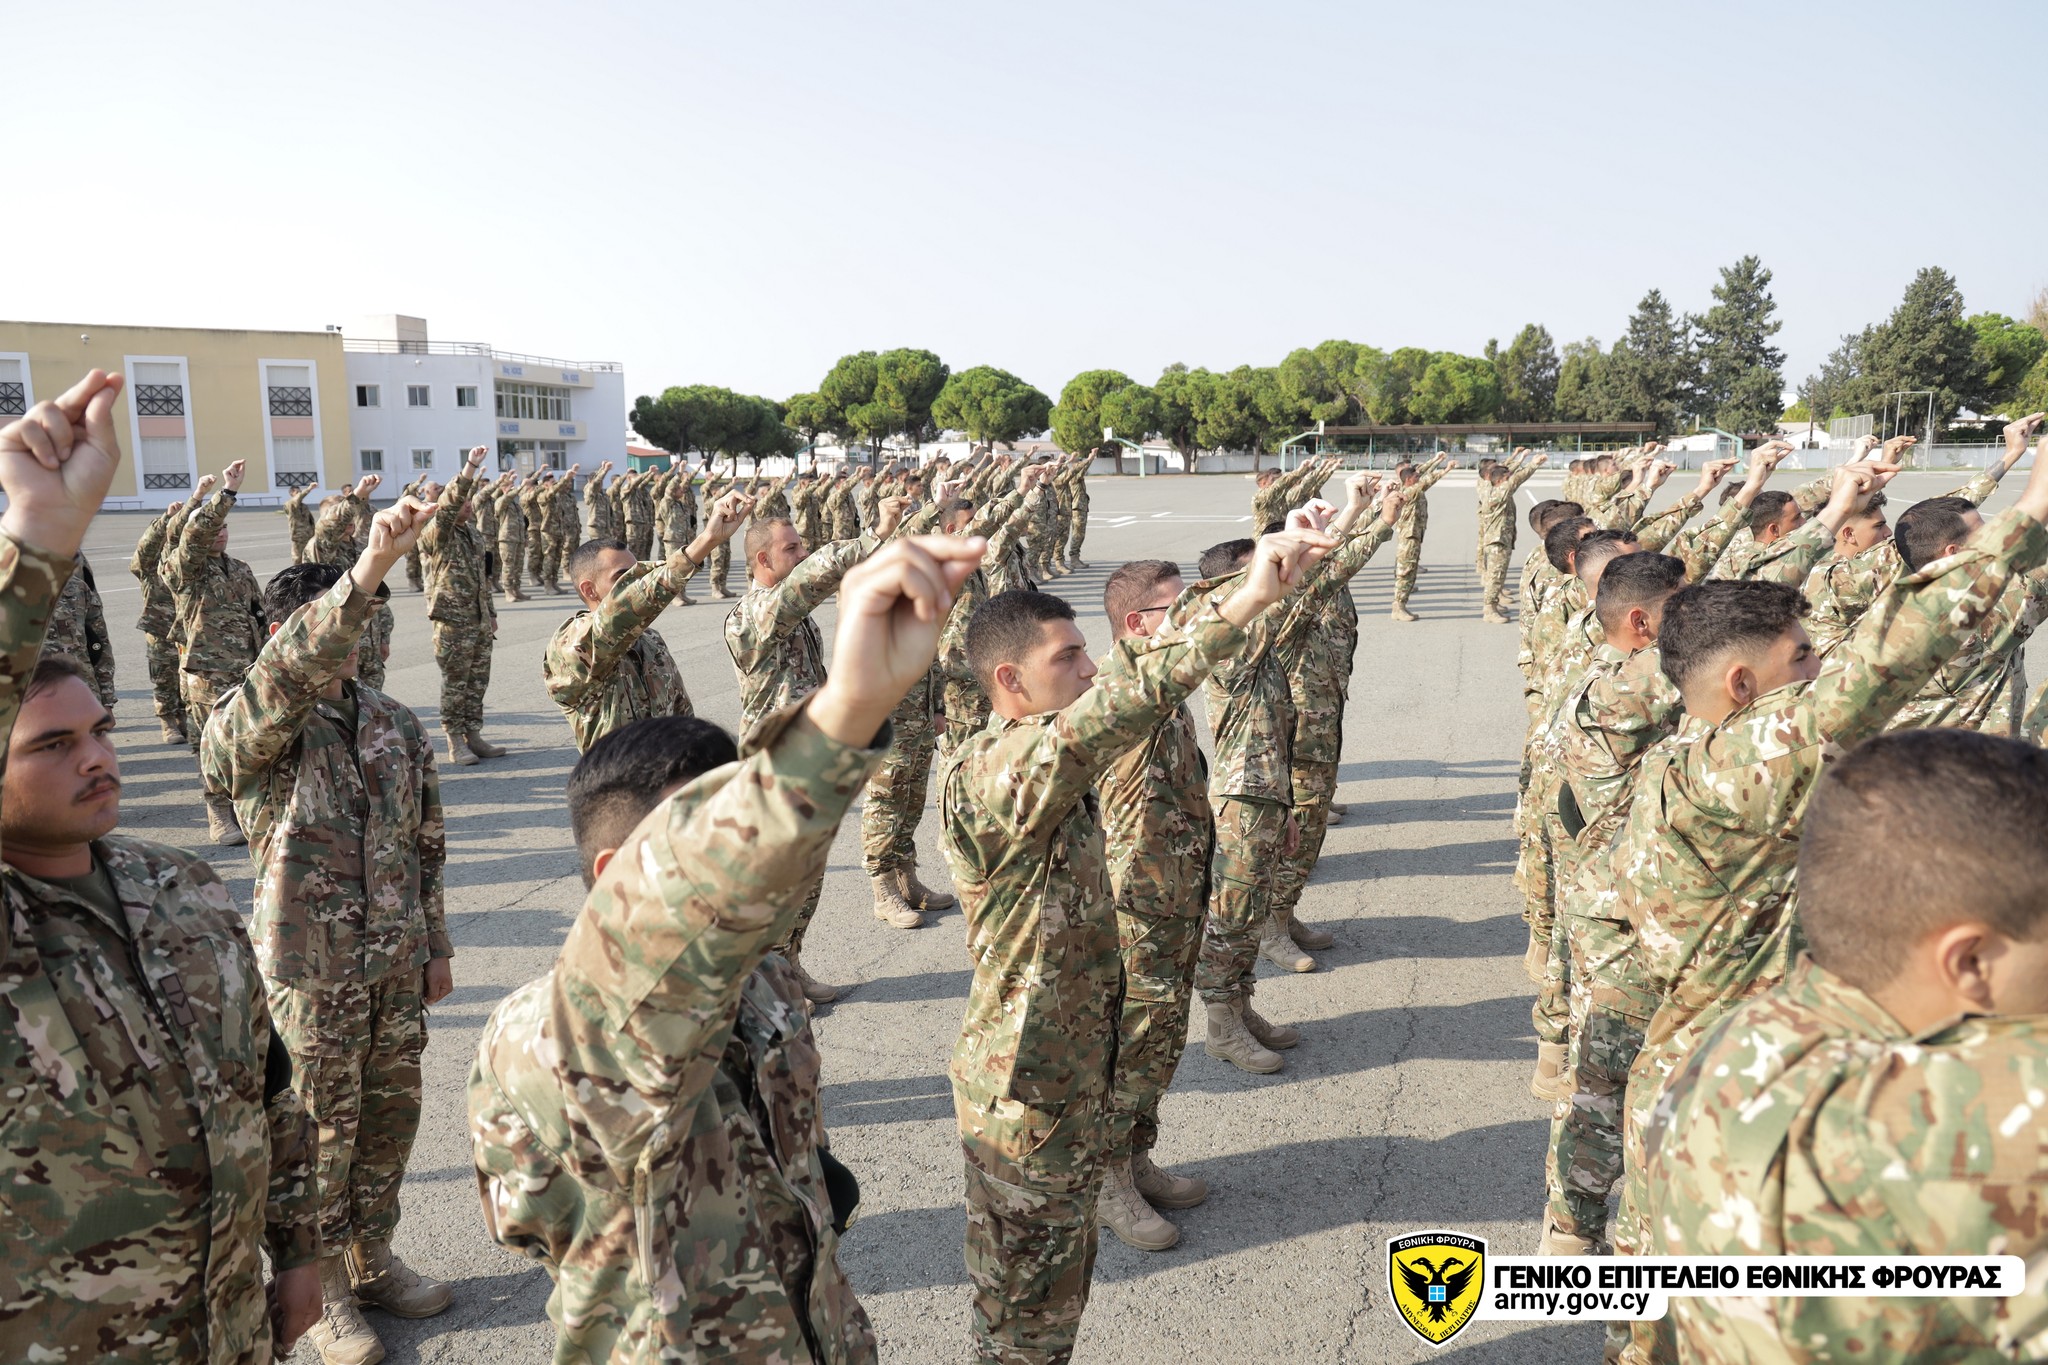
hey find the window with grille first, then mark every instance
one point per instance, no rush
(162, 418)
(416, 396)
(372, 461)
(13, 388)
(291, 400)
(369, 396)
(294, 441)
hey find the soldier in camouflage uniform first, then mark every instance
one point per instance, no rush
(639, 500)
(338, 539)
(511, 500)
(79, 628)
(1415, 485)
(840, 506)
(299, 518)
(533, 498)
(464, 618)
(151, 1144)
(675, 515)
(600, 518)
(421, 488)
(720, 572)
(1077, 521)
(335, 783)
(606, 666)
(1888, 1092)
(159, 622)
(807, 507)
(1278, 493)
(1497, 491)
(220, 615)
(963, 706)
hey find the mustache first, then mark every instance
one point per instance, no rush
(99, 787)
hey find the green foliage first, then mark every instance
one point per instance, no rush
(991, 405)
(1924, 345)
(1741, 385)
(1798, 412)
(1386, 381)
(713, 420)
(1527, 374)
(1227, 409)
(1078, 420)
(2006, 349)
(1317, 383)
(1456, 388)
(1581, 382)
(873, 397)
(1178, 399)
(1652, 372)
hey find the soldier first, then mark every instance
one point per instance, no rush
(219, 619)
(715, 486)
(299, 518)
(464, 618)
(335, 782)
(567, 516)
(1279, 493)
(807, 508)
(154, 1145)
(1415, 486)
(533, 501)
(1497, 489)
(675, 512)
(512, 500)
(1031, 1070)
(606, 666)
(639, 513)
(159, 621)
(1077, 522)
(1888, 1091)
(79, 628)
(840, 506)
(419, 488)
(337, 541)
(600, 518)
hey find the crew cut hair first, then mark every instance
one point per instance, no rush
(1550, 512)
(1643, 579)
(1004, 628)
(582, 563)
(622, 777)
(1766, 508)
(1601, 544)
(1703, 622)
(291, 588)
(1130, 585)
(761, 530)
(1927, 527)
(1226, 558)
(1563, 538)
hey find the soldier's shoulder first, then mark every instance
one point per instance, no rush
(188, 889)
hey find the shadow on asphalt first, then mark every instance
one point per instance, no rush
(1378, 769)
(1479, 858)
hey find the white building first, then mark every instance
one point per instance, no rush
(418, 406)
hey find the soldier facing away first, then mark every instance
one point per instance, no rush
(464, 617)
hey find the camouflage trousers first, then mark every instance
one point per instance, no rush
(163, 679)
(896, 792)
(1077, 531)
(794, 944)
(463, 650)
(1407, 559)
(1032, 1180)
(302, 536)
(375, 647)
(1159, 933)
(1533, 871)
(356, 1046)
(1611, 1004)
(555, 552)
(1315, 786)
(967, 711)
(639, 539)
(1493, 575)
(1248, 839)
(511, 559)
(1552, 1015)
(412, 569)
(721, 568)
(536, 554)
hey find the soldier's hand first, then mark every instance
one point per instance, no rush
(232, 475)
(1358, 488)
(892, 607)
(1864, 445)
(2017, 434)
(1711, 474)
(726, 515)
(56, 462)
(295, 1306)
(1278, 562)
(393, 533)
(1391, 504)
(437, 980)
(1897, 446)
(1290, 842)
(889, 516)
(172, 510)
(475, 464)
(205, 485)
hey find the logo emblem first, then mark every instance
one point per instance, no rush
(1436, 1280)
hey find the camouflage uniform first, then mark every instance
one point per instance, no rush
(1413, 526)
(414, 573)
(609, 667)
(675, 512)
(645, 1117)
(839, 506)
(806, 511)
(719, 572)
(340, 543)
(639, 516)
(151, 1145)
(511, 539)
(78, 627)
(1497, 526)
(962, 703)
(300, 519)
(1287, 492)
(1852, 1142)
(533, 501)
(343, 812)
(1032, 1069)
(220, 611)
(896, 793)
(1077, 520)
(565, 526)
(459, 605)
(600, 518)
(159, 621)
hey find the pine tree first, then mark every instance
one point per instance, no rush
(1742, 383)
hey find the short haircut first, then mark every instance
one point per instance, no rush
(1917, 830)
(1601, 544)
(293, 587)
(1273, 528)
(1706, 620)
(955, 506)
(1267, 476)
(1553, 513)
(622, 777)
(583, 559)
(1130, 585)
(1496, 472)
(1872, 509)
(1226, 558)
(1539, 511)
(1005, 627)
(52, 669)
(1926, 528)
(760, 531)
(1562, 539)
(1767, 507)
(1578, 466)
(1729, 489)
(1642, 579)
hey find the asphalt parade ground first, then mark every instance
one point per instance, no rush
(1405, 1108)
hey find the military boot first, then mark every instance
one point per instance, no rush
(1401, 613)
(458, 752)
(1550, 1082)
(1278, 1037)
(1557, 1242)
(481, 747)
(1536, 961)
(1277, 948)
(383, 1281)
(174, 734)
(341, 1336)
(1230, 1042)
(815, 991)
(890, 906)
(1122, 1210)
(1308, 936)
(1492, 616)
(221, 825)
(1338, 810)
(918, 894)
(1164, 1189)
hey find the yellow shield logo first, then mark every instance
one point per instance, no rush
(1436, 1280)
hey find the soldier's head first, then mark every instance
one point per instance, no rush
(957, 514)
(1631, 595)
(1486, 467)
(774, 549)
(1773, 516)
(632, 770)
(594, 567)
(1726, 643)
(1406, 472)
(1934, 529)
(1863, 529)
(1598, 548)
(1137, 596)
(1561, 541)
(1603, 464)
(1028, 653)
(1266, 477)
(1493, 471)
(63, 787)
(1227, 558)
(293, 587)
(1550, 512)
(1923, 874)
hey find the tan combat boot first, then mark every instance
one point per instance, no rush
(890, 906)
(1278, 1037)
(221, 825)
(383, 1281)
(918, 894)
(1492, 616)
(1122, 1210)
(1338, 810)
(341, 1336)
(1279, 949)
(1230, 1042)
(1557, 1242)
(1536, 961)
(815, 991)
(174, 734)
(1550, 1082)
(481, 747)
(458, 752)
(1164, 1189)
(1308, 936)
(1401, 613)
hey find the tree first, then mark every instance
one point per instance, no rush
(907, 382)
(991, 405)
(1924, 345)
(1318, 382)
(1581, 381)
(2006, 350)
(1651, 372)
(1385, 382)
(812, 418)
(1456, 388)
(1226, 411)
(1830, 391)
(1078, 420)
(1178, 401)
(700, 417)
(1742, 382)
(1527, 375)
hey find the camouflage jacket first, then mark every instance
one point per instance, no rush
(1156, 823)
(1704, 861)
(1788, 559)
(1841, 590)
(1702, 547)
(220, 608)
(607, 668)
(1497, 519)
(1622, 706)
(639, 502)
(344, 829)
(159, 607)
(1811, 1123)
(645, 1117)
(777, 652)
(78, 627)
(299, 518)
(599, 516)
(675, 511)
(1025, 846)
(1004, 564)
(1319, 648)
(1273, 502)
(1415, 509)
(1558, 598)
(806, 512)
(511, 515)
(147, 1159)
(1973, 689)
(839, 509)
(341, 534)
(533, 508)
(562, 519)
(458, 592)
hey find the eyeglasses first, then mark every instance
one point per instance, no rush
(1144, 610)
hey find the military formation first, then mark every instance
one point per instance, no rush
(1786, 693)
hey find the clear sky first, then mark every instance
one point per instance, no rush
(738, 194)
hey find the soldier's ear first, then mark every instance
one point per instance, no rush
(603, 860)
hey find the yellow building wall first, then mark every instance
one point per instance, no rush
(226, 406)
